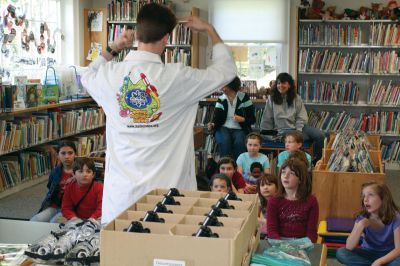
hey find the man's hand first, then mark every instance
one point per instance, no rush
(196, 23)
(210, 126)
(124, 41)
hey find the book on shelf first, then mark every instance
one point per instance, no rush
(376, 122)
(317, 91)
(19, 100)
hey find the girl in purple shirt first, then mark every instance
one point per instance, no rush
(378, 227)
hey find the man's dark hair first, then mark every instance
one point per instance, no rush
(153, 22)
(235, 84)
(80, 162)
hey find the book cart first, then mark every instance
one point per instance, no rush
(339, 193)
(172, 241)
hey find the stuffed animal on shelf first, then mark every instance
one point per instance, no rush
(394, 10)
(315, 12)
(351, 13)
(330, 13)
(365, 13)
(304, 6)
(376, 10)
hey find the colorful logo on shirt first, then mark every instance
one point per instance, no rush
(139, 100)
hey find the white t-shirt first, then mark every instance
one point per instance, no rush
(150, 117)
(230, 122)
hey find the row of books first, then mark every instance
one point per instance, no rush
(89, 143)
(177, 55)
(384, 94)
(180, 35)
(329, 92)
(377, 122)
(26, 166)
(250, 87)
(385, 62)
(14, 97)
(36, 128)
(204, 114)
(328, 61)
(330, 34)
(127, 10)
(350, 153)
(384, 35)
(114, 31)
(391, 152)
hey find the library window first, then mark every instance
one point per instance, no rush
(257, 61)
(30, 36)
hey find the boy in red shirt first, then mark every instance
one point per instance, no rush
(83, 198)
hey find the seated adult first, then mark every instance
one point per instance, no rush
(284, 112)
(233, 117)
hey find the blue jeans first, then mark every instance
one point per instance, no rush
(358, 257)
(49, 214)
(231, 142)
(317, 137)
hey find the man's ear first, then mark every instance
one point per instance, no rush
(165, 39)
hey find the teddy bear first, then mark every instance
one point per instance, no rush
(304, 6)
(315, 12)
(330, 13)
(365, 13)
(375, 10)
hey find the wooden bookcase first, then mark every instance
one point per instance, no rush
(317, 41)
(32, 139)
(339, 193)
(192, 47)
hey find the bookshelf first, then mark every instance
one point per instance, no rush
(183, 44)
(26, 158)
(348, 75)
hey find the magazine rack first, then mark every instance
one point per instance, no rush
(339, 193)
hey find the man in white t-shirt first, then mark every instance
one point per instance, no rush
(151, 108)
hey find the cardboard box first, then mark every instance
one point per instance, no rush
(173, 243)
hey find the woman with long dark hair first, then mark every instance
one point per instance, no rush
(285, 112)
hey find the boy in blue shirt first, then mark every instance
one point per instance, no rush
(293, 142)
(246, 159)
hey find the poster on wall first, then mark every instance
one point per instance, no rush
(96, 20)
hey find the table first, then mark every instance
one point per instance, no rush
(24, 232)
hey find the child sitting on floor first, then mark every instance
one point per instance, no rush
(227, 166)
(267, 186)
(60, 176)
(220, 183)
(83, 198)
(293, 213)
(293, 142)
(378, 228)
(244, 161)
